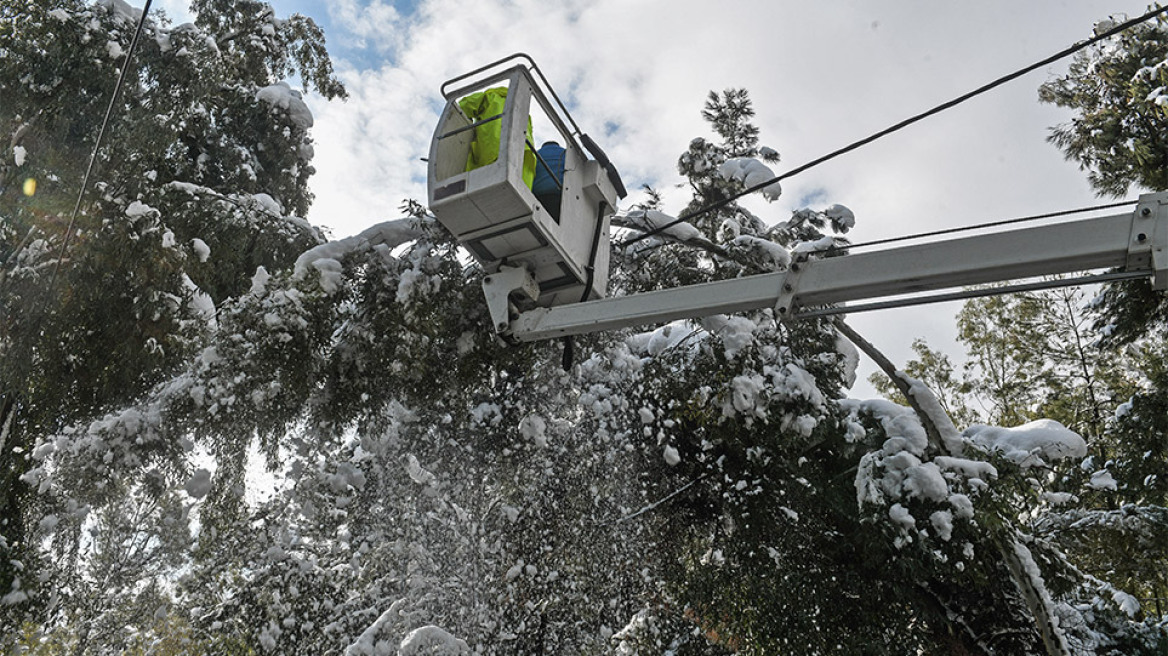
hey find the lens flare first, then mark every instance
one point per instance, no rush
(29, 186)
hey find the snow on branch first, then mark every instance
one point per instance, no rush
(326, 258)
(289, 101)
(683, 233)
(751, 172)
(926, 402)
(1030, 445)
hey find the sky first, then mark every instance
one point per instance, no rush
(635, 74)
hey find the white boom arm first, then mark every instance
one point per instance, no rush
(1133, 242)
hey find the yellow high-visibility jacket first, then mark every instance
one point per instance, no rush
(485, 147)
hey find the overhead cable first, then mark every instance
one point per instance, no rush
(903, 124)
(979, 226)
(97, 146)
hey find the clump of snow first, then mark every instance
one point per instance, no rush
(901, 516)
(751, 394)
(416, 283)
(815, 245)
(924, 480)
(419, 474)
(121, 10)
(515, 571)
(766, 253)
(736, 332)
(751, 172)
(331, 274)
(534, 428)
(962, 505)
(653, 219)
(283, 97)
(979, 469)
(432, 641)
(49, 522)
(842, 218)
(367, 643)
(259, 282)
(200, 301)
(900, 424)
(642, 624)
(325, 258)
(199, 484)
(16, 596)
(486, 414)
(672, 457)
(850, 363)
(1103, 480)
(1104, 26)
(269, 204)
(748, 395)
(942, 522)
(662, 339)
(1029, 445)
(900, 476)
(202, 250)
(138, 209)
(1059, 498)
(1127, 603)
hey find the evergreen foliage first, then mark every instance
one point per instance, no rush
(236, 437)
(1118, 135)
(196, 184)
(1117, 91)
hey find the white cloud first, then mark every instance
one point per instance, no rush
(820, 74)
(376, 24)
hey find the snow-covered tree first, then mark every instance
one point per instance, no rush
(198, 182)
(1117, 133)
(698, 487)
(1117, 89)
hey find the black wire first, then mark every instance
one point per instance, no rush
(903, 124)
(97, 146)
(61, 252)
(991, 224)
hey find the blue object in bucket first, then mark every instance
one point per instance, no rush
(552, 153)
(547, 185)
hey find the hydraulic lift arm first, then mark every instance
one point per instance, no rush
(1132, 243)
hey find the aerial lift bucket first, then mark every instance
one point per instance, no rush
(548, 257)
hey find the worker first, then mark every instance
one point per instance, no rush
(549, 178)
(487, 106)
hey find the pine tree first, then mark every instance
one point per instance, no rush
(197, 183)
(694, 488)
(1117, 90)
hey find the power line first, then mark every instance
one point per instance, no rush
(48, 290)
(109, 110)
(903, 124)
(979, 226)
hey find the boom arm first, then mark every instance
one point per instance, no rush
(1134, 242)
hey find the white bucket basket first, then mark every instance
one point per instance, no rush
(492, 211)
